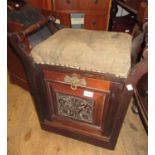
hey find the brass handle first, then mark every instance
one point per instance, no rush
(74, 81)
(68, 1)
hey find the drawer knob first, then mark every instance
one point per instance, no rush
(68, 1)
(95, 1)
(74, 81)
(94, 22)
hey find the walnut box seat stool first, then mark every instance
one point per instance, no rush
(81, 81)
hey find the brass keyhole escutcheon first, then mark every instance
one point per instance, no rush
(73, 85)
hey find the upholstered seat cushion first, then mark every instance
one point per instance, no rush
(98, 51)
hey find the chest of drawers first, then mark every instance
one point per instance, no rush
(96, 12)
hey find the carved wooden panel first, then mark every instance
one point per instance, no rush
(75, 107)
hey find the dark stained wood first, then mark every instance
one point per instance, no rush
(141, 100)
(15, 66)
(98, 99)
(96, 13)
(137, 12)
(111, 109)
(85, 137)
(13, 26)
(111, 97)
(35, 26)
(124, 23)
(64, 18)
(91, 82)
(130, 5)
(94, 75)
(36, 74)
(41, 4)
(134, 76)
(80, 5)
(142, 13)
(141, 91)
(95, 22)
(62, 10)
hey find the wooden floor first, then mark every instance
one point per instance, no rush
(25, 137)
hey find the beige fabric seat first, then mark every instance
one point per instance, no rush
(98, 51)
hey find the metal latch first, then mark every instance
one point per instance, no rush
(74, 81)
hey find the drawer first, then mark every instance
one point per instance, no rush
(82, 104)
(95, 22)
(91, 4)
(80, 4)
(60, 5)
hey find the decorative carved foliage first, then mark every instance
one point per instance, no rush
(75, 107)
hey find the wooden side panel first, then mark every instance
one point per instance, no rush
(14, 27)
(16, 69)
(14, 64)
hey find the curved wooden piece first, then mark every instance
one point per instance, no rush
(134, 76)
(49, 21)
(113, 12)
(139, 38)
(35, 26)
(34, 76)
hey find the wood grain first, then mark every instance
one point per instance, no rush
(25, 137)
